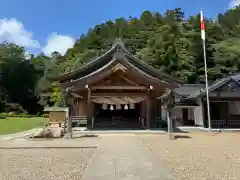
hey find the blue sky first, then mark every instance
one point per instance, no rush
(48, 25)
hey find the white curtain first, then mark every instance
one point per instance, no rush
(132, 106)
(118, 107)
(104, 106)
(111, 108)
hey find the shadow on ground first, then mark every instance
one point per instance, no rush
(86, 136)
(52, 139)
(181, 137)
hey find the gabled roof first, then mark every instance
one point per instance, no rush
(184, 91)
(117, 47)
(216, 85)
(188, 89)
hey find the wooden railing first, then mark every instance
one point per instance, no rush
(225, 123)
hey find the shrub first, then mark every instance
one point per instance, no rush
(14, 108)
(45, 115)
(23, 115)
(3, 114)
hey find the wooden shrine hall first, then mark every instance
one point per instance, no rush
(116, 90)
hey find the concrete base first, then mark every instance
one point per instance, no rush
(68, 136)
(202, 129)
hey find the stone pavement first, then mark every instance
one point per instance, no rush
(123, 157)
(18, 135)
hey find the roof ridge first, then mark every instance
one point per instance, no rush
(149, 66)
(119, 44)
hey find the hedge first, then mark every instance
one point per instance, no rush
(4, 115)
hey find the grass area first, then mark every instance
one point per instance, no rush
(14, 125)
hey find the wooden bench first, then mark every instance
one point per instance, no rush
(79, 121)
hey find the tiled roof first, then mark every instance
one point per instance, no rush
(117, 49)
(188, 89)
(216, 84)
(236, 77)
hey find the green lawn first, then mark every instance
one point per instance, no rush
(14, 125)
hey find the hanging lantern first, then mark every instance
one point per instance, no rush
(111, 108)
(126, 107)
(132, 106)
(104, 106)
(118, 107)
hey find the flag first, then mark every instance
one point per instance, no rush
(202, 26)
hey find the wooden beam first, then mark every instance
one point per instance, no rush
(118, 94)
(118, 100)
(76, 95)
(119, 87)
(130, 82)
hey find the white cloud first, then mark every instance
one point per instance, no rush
(234, 3)
(13, 31)
(59, 43)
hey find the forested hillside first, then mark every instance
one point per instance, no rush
(170, 42)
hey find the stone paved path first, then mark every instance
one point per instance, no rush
(123, 157)
(18, 135)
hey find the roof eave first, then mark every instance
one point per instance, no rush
(68, 75)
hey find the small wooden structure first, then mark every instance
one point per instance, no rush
(57, 114)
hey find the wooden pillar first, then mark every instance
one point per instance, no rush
(148, 113)
(74, 109)
(170, 103)
(143, 113)
(89, 109)
(69, 120)
(159, 109)
(77, 107)
(185, 118)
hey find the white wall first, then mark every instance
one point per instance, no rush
(198, 113)
(164, 113)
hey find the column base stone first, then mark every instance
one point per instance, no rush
(68, 136)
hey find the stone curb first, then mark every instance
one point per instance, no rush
(49, 147)
(201, 129)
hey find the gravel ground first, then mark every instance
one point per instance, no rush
(38, 142)
(44, 164)
(198, 156)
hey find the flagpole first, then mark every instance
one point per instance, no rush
(206, 86)
(205, 69)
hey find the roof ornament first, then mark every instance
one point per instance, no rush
(118, 41)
